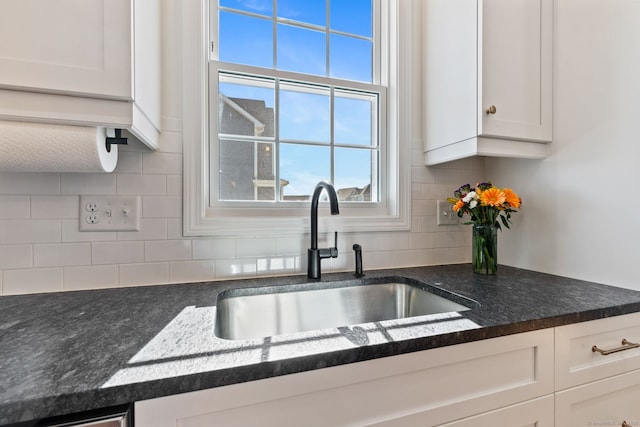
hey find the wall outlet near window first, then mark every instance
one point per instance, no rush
(445, 214)
(109, 213)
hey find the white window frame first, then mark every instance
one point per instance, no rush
(199, 219)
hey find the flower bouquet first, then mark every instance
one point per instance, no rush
(489, 209)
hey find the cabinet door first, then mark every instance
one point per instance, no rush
(575, 361)
(80, 47)
(607, 402)
(515, 48)
(415, 389)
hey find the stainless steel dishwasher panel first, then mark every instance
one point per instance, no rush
(119, 420)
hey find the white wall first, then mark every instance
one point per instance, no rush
(581, 212)
(41, 249)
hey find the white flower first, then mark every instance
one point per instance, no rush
(473, 204)
(471, 195)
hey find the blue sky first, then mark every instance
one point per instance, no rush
(306, 116)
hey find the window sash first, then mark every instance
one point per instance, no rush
(378, 147)
(399, 55)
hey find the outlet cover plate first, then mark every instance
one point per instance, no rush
(109, 213)
(445, 214)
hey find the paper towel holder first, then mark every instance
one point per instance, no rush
(117, 139)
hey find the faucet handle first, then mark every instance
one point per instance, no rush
(358, 252)
(334, 249)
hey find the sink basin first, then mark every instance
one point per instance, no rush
(264, 312)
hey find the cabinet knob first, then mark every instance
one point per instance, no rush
(491, 110)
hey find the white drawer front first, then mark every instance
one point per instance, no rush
(441, 384)
(534, 413)
(576, 363)
(607, 402)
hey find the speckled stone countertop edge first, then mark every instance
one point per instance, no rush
(584, 301)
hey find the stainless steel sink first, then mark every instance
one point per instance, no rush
(260, 313)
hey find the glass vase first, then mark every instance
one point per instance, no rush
(484, 247)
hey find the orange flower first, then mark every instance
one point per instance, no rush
(512, 198)
(492, 197)
(459, 204)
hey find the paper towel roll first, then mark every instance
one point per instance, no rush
(38, 147)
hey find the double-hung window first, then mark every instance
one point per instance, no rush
(297, 92)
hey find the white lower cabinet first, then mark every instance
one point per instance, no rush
(533, 413)
(427, 388)
(598, 386)
(612, 402)
(541, 378)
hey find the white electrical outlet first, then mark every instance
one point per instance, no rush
(109, 213)
(445, 214)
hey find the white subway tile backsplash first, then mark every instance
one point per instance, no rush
(416, 224)
(459, 255)
(71, 233)
(61, 254)
(150, 229)
(171, 141)
(117, 252)
(344, 262)
(214, 248)
(292, 245)
(129, 162)
(436, 256)
(162, 163)
(29, 231)
(161, 207)
(29, 183)
(174, 228)
(235, 268)
(15, 256)
(174, 185)
(447, 176)
(421, 207)
(90, 277)
(447, 239)
(393, 241)
(141, 185)
(54, 207)
(423, 175)
(167, 250)
(368, 242)
(255, 247)
(15, 207)
(155, 273)
(280, 265)
(407, 258)
(34, 280)
(381, 259)
(192, 271)
(421, 240)
(88, 183)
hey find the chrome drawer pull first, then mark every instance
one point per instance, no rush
(626, 345)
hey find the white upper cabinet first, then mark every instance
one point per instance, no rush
(83, 62)
(487, 78)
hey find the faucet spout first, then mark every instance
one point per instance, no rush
(315, 254)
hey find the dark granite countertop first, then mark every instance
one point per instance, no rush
(75, 351)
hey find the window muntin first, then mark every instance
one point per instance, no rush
(276, 137)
